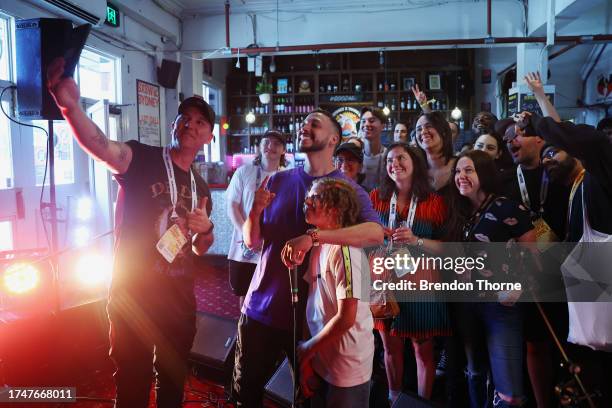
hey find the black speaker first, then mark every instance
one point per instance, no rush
(38, 42)
(168, 74)
(280, 387)
(213, 345)
(411, 401)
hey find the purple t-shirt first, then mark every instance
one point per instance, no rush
(268, 299)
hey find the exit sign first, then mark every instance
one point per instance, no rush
(112, 15)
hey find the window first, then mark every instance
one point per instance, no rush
(64, 153)
(6, 236)
(6, 157)
(211, 95)
(97, 76)
(5, 48)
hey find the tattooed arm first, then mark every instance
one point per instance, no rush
(116, 155)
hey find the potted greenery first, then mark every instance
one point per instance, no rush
(264, 90)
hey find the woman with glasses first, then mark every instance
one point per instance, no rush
(492, 329)
(240, 194)
(348, 158)
(412, 215)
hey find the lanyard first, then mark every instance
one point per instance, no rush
(525, 193)
(475, 219)
(393, 211)
(172, 184)
(575, 186)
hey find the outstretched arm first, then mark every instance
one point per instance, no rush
(116, 155)
(534, 82)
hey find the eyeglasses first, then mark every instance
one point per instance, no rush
(341, 160)
(313, 198)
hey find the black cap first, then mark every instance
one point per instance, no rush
(352, 148)
(275, 134)
(199, 103)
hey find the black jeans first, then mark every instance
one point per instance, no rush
(152, 332)
(258, 350)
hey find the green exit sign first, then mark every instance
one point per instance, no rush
(112, 15)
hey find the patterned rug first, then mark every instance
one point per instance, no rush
(212, 289)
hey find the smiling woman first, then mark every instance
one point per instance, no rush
(433, 136)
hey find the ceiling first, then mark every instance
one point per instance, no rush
(214, 7)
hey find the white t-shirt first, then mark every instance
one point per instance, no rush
(374, 167)
(341, 273)
(241, 190)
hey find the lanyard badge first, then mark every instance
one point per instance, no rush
(173, 240)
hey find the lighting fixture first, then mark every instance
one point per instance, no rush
(456, 113)
(250, 117)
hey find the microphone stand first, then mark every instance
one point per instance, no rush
(293, 283)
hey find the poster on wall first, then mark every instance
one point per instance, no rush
(348, 118)
(148, 107)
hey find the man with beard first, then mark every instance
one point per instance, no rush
(371, 126)
(591, 194)
(265, 328)
(483, 123)
(532, 187)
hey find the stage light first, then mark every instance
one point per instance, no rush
(250, 117)
(20, 278)
(456, 113)
(81, 236)
(93, 269)
(84, 210)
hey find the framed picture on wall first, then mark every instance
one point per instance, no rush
(434, 82)
(148, 112)
(409, 82)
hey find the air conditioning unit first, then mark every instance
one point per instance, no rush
(79, 11)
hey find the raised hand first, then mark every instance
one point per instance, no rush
(65, 91)
(419, 95)
(197, 220)
(534, 82)
(263, 197)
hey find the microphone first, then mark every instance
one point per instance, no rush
(293, 281)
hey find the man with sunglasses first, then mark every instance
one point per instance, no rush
(533, 187)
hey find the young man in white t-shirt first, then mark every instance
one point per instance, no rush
(336, 362)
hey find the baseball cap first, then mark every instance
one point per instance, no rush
(351, 148)
(275, 134)
(199, 103)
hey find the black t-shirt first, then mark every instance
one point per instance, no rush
(503, 221)
(594, 149)
(144, 210)
(555, 206)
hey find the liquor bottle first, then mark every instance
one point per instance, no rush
(393, 105)
(402, 104)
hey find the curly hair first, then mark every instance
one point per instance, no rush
(339, 194)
